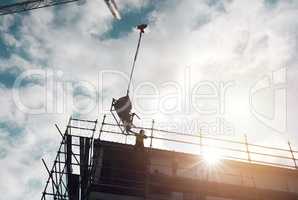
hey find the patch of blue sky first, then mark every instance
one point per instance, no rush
(213, 2)
(9, 75)
(77, 114)
(14, 30)
(4, 49)
(12, 128)
(217, 5)
(3, 153)
(130, 19)
(271, 3)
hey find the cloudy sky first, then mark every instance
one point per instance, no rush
(227, 67)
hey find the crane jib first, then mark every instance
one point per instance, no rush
(30, 5)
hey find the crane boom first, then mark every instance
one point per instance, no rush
(30, 5)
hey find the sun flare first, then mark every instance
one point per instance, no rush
(211, 156)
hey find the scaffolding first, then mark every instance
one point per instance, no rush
(74, 173)
(70, 174)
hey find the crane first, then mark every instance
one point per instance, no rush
(30, 5)
(27, 5)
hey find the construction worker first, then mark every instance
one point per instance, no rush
(141, 158)
(140, 139)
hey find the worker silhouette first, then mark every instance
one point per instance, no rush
(123, 109)
(140, 139)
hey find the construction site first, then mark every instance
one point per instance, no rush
(111, 158)
(106, 164)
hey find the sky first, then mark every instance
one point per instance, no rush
(225, 67)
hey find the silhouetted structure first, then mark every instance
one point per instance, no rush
(108, 168)
(26, 5)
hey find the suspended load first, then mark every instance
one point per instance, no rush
(123, 108)
(123, 105)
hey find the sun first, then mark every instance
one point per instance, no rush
(211, 156)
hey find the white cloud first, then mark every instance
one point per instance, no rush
(230, 41)
(6, 23)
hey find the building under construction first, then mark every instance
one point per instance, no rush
(106, 164)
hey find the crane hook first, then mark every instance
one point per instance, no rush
(142, 28)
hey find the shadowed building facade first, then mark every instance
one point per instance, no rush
(112, 167)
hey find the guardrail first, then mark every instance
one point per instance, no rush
(227, 149)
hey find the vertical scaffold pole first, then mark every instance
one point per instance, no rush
(201, 145)
(126, 135)
(293, 156)
(151, 136)
(247, 149)
(102, 124)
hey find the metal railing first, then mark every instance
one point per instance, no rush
(227, 149)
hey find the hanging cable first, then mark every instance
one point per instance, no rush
(141, 28)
